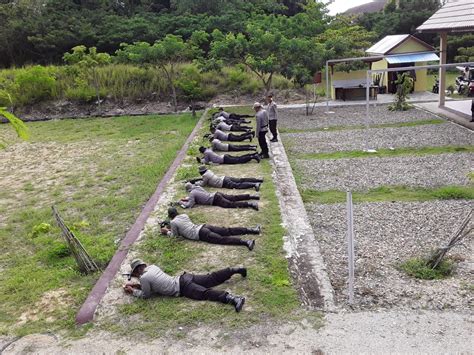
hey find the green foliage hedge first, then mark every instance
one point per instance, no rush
(124, 83)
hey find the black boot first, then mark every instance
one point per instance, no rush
(254, 197)
(239, 270)
(253, 205)
(236, 301)
(255, 230)
(256, 157)
(250, 244)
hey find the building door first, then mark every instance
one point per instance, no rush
(393, 75)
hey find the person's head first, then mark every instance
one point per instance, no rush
(202, 149)
(137, 268)
(202, 169)
(213, 129)
(172, 212)
(221, 109)
(188, 186)
(269, 97)
(257, 106)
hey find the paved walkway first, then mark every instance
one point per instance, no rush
(450, 115)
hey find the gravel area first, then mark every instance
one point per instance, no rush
(387, 234)
(366, 173)
(348, 116)
(359, 139)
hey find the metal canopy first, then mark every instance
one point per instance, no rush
(412, 58)
(456, 16)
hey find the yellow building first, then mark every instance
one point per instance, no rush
(402, 51)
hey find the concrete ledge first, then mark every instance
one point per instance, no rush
(305, 261)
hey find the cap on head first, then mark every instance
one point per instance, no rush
(202, 149)
(136, 263)
(270, 95)
(202, 169)
(172, 212)
(221, 109)
(188, 186)
(257, 105)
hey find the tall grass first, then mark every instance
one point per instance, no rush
(121, 83)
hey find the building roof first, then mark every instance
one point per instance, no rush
(389, 43)
(454, 16)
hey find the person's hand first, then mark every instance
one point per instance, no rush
(182, 205)
(164, 231)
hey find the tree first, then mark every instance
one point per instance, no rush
(164, 54)
(87, 60)
(260, 51)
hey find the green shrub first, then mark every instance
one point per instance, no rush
(418, 268)
(39, 229)
(34, 84)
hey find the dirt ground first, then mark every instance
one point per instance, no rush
(420, 332)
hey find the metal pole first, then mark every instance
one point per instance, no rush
(350, 246)
(327, 87)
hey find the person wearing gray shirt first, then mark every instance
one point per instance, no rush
(218, 146)
(262, 129)
(199, 196)
(272, 117)
(181, 225)
(217, 133)
(222, 126)
(211, 157)
(208, 178)
(154, 281)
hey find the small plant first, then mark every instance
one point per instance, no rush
(418, 268)
(404, 85)
(39, 229)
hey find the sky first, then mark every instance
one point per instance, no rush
(342, 5)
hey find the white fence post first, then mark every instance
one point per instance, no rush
(350, 246)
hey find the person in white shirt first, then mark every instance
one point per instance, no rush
(272, 117)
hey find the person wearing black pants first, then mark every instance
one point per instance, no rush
(153, 281)
(272, 118)
(230, 137)
(181, 225)
(262, 129)
(218, 146)
(199, 196)
(472, 111)
(211, 157)
(208, 178)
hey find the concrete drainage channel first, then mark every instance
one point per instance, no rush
(305, 261)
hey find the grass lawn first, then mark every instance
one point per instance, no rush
(268, 289)
(99, 173)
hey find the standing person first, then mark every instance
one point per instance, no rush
(272, 117)
(181, 225)
(154, 281)
(208, 178)
(218, 146)
(211, 157)
(472, 111)
(199, 196)
(262, 129)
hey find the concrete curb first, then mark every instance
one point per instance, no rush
(305, 261)
(87, 311)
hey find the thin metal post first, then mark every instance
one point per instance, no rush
(350, 246)
(327, 87)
